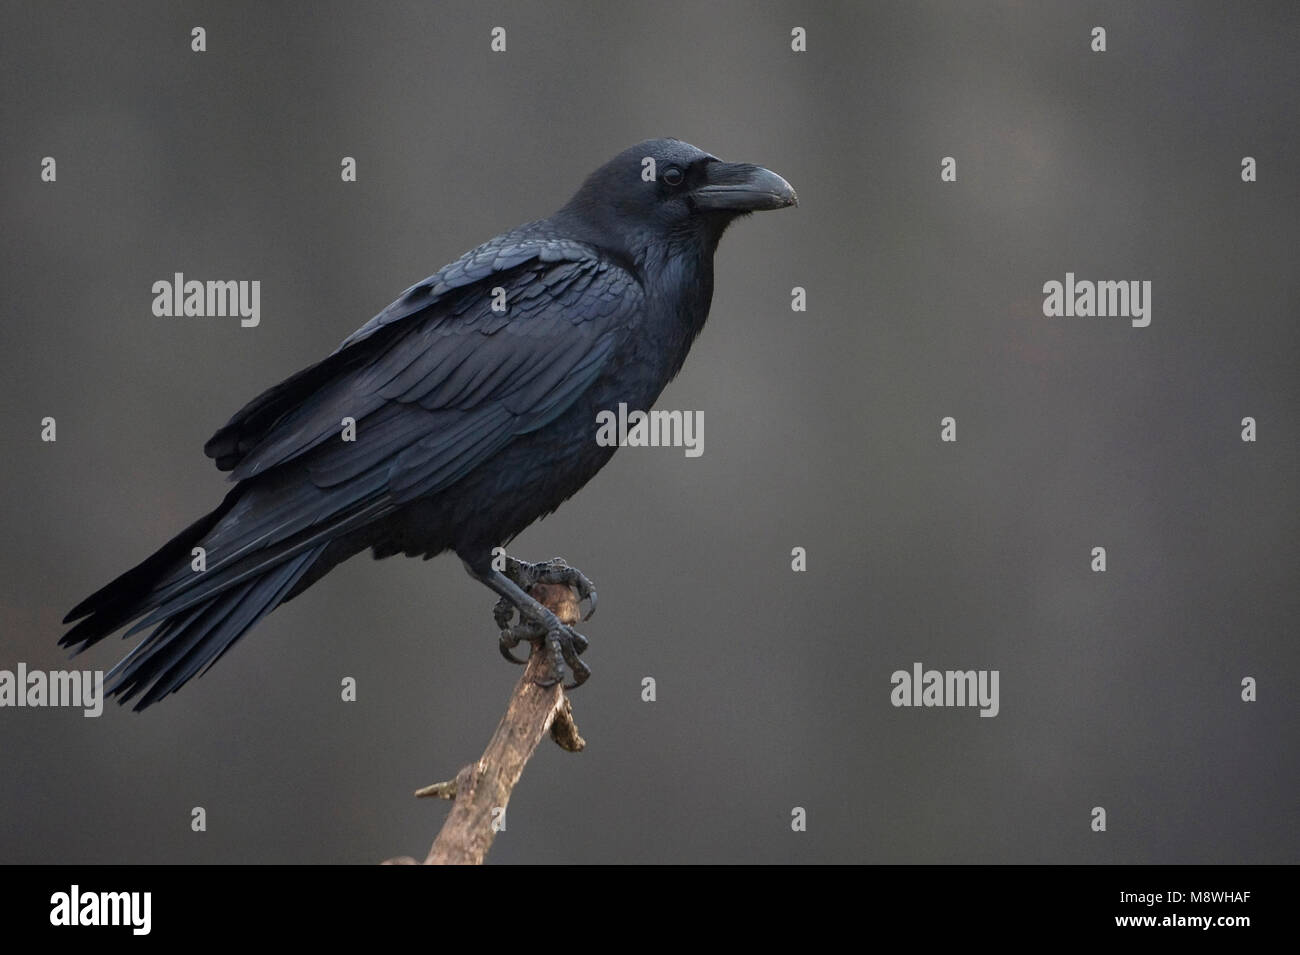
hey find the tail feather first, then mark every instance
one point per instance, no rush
(195, 625)
(186, 644)
(118, 603)
(182, 591)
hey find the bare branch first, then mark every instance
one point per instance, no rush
(482, 789)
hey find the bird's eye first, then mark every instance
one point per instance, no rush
(673, 176)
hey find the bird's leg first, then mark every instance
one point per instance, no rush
(537, 622)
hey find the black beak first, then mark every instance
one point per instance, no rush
(740, 187)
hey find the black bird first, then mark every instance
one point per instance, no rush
(475, 398)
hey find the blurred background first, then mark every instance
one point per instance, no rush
(1119, 690)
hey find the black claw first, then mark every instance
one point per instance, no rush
(580, 673)
(565, 643)
(509, 654)
(556, 571)
(508, 642)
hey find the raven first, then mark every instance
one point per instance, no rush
(473, 402)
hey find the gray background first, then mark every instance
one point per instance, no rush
(821, 429)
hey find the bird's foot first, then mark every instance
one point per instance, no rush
(565, 644)
(537, 622)
(553, 571)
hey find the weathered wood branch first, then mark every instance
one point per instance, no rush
(482, 789)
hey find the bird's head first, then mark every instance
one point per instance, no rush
(665, 190)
